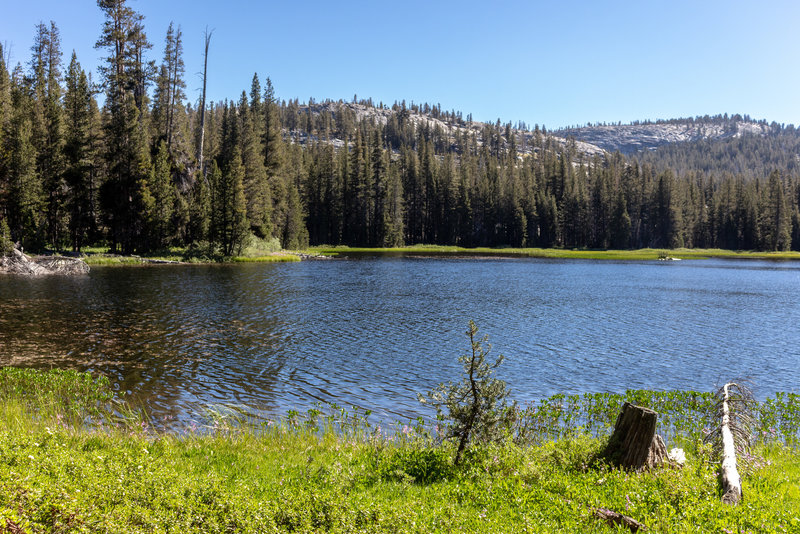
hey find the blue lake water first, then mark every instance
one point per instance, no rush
(372, 332)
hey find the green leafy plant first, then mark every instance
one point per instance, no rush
(476, 405)
(6, 245)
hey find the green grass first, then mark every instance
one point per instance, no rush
(275, 257)
(640, 254)
(256, 250)
(264, 251)
(331, 473)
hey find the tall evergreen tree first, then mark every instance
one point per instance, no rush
(26, 200)
(45, 79)
(256, 186)
(159, 215)
(125, 78)
(230, 209)
(81, 165)
(5, 117)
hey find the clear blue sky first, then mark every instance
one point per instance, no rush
(553, 63)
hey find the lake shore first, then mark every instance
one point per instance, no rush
(70, 463)
(555, 253)
(179, 256)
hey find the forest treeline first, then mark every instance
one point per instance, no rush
(147, 170)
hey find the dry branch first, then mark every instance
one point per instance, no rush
(616, 519)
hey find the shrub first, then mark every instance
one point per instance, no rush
(476, 406)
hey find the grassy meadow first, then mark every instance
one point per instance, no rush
(557, 253)
(76, 458)
(269, 251)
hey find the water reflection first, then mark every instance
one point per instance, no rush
(373, 333)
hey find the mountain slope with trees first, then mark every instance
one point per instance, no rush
(118, 163)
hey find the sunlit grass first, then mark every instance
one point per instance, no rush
(640, 254)
(333, 472)
(272, 258)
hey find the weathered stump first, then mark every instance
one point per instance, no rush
(634, 443)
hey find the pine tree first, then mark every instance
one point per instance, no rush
(80, 156)
(620, 224)
(47, 124)
(476, 405)
(295, 233)
(273, 150)
(259, 201)
(5, 117)
(170, 87)
(198, 228)
(229, 207)
(393, 213)
(25, 201)
(775, 216)
(163, 194)
(125, 76)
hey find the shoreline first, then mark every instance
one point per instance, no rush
(97, 258)
(647, 254)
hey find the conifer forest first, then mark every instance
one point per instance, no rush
(122, 158)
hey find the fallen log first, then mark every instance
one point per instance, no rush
(734, 405)
(17, 262)
(729, 474)
(634, 443)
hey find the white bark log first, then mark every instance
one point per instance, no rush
(731, 482)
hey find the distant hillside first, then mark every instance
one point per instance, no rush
(331, 121)
(720, 144)
(631, 138)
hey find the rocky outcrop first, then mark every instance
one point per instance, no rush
(16, 262)
(632, 138)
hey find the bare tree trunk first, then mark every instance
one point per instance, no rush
(203, 103)
(731, 482)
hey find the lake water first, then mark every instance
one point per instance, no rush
(372, 332)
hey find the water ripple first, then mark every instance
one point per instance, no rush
(373, 333)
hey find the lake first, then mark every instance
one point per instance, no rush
(373, 332)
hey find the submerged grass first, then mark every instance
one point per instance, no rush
(334, 472)
(586, 254)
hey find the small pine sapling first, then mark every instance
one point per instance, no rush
(476, 405)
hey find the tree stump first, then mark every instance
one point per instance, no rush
(634, 443)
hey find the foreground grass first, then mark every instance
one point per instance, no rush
(640, 254)
(58, 475)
